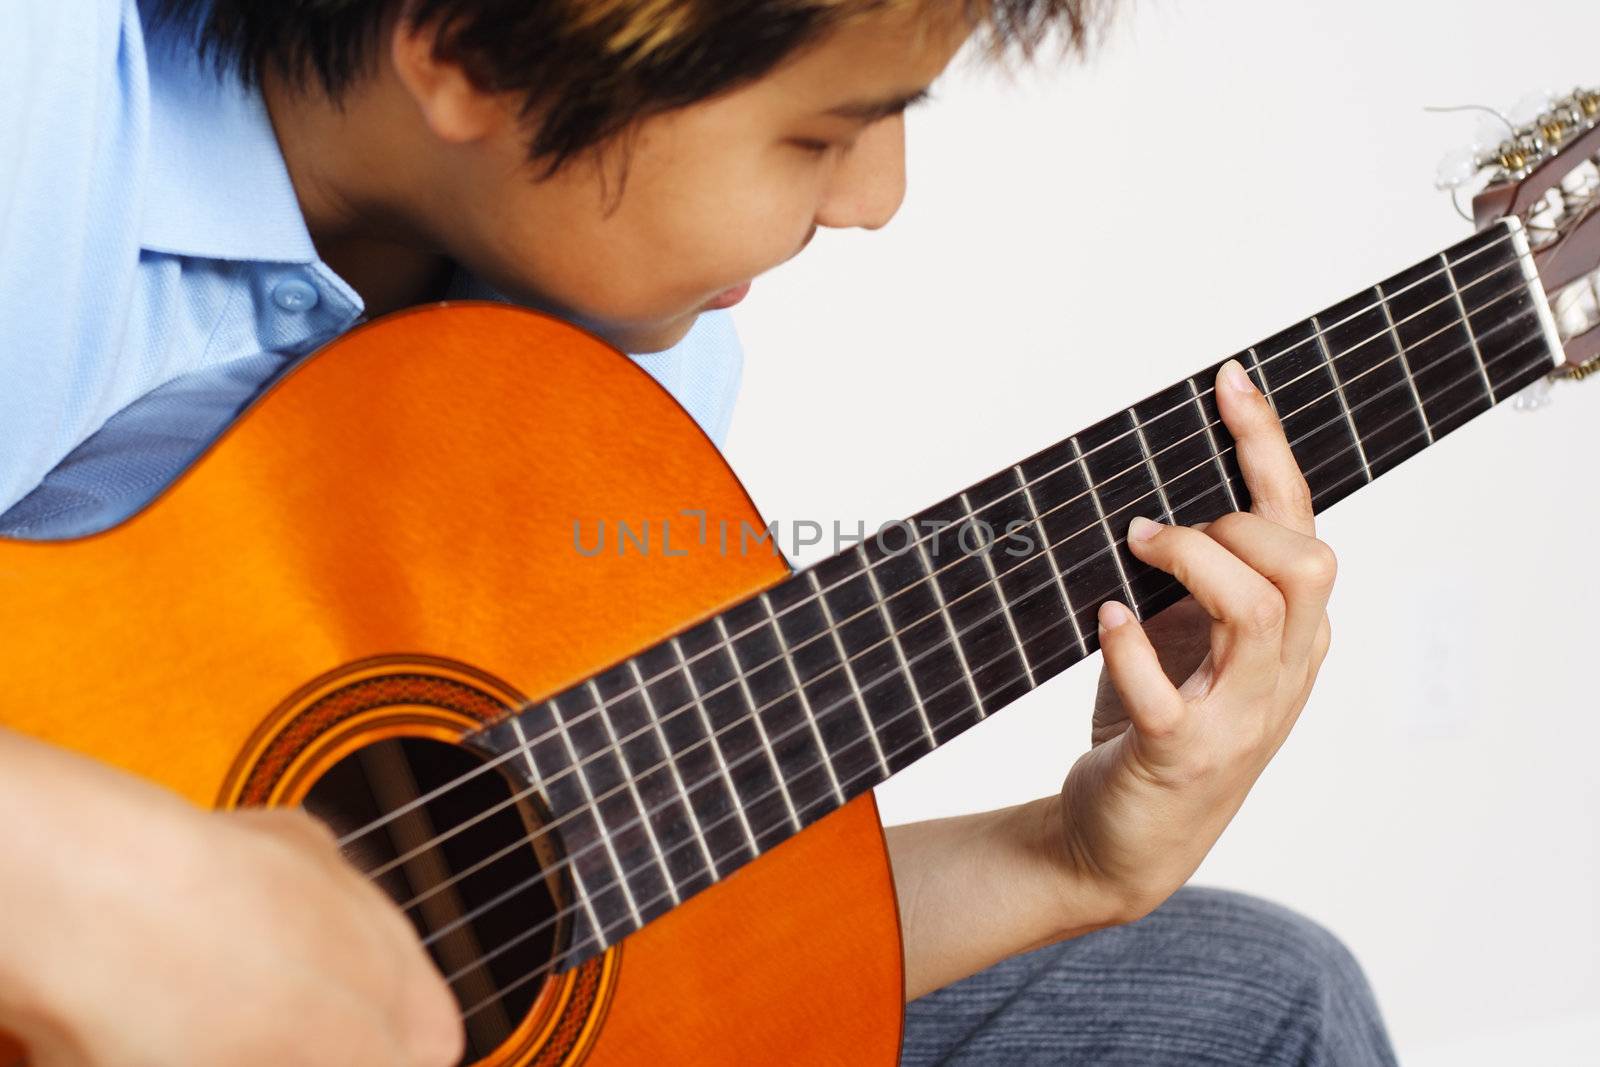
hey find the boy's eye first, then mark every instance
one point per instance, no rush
(813, 147)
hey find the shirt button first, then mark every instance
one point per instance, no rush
(294, 294)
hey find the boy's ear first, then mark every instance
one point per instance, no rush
(454, 108)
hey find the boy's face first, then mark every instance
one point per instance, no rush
(716, 193)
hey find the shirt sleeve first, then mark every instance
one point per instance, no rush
(71, 125)
(703, 372)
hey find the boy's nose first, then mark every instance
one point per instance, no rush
(869, 183)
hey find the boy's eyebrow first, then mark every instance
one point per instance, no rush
(873, 110)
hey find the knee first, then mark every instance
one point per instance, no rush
(1298, 969)
(1266, 939)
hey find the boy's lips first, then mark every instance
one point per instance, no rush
(729, 297)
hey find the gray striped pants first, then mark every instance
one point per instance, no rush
(1211, 977)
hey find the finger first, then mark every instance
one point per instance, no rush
(1152, 702)
(431, 1023)
(1302, 567)
(1248, 606)
(1277, 488)
(1319, 649)
(426, 1014)
(361, 1036)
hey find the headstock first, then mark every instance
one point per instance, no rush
(1545, 172)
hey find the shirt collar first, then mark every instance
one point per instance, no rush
(217, 186)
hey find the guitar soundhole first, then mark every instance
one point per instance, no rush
(470, 882)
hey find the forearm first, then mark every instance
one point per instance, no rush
(976, 889)
(116, 894)
(74, 836)
(34, 801)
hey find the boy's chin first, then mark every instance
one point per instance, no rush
(642, 340)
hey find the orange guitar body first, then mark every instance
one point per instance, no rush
(407, 497)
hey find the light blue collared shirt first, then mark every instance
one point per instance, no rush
(156, 273)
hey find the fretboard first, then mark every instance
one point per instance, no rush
(671, 770)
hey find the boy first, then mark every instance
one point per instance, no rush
(177, 235)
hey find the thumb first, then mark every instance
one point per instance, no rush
(1154, 705)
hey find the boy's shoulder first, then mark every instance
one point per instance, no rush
(150, 239)
(156, 272)
(72, 111)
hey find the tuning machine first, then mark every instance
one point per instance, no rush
(1508, 146)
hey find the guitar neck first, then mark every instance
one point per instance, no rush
(674, 768)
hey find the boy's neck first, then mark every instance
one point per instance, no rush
(340, 160)
(388, 276)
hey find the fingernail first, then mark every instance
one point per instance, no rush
(1237, 379)
(1113, 615)
(1142, 529)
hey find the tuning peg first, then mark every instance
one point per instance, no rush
(1535, 397)
(1457, 168)
(1490, 131)
(1530, 107)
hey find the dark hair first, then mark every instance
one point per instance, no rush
(588, 68)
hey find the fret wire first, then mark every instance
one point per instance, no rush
(961, 653)
(526, 748)
(956, 644)
(949, 625)
(1405, 364)
(1458, 291)
(900, 652)
(579, 889)
(1206, 425)
(544, 967)
(1266, 387)
(1000, 595)
(1094, 498)
(1513, 353)
(1150, 465)
(1050, 557)
(1507, 238)
(716, 748)
(672, 766)
(1338, 389)
(849, 671)
(604, 715)
(805, 701)
(594, 808)
(1455, 291)
(1397, 448)
(1322, 463)
(761, 729)
(1463, 258)
(1216, 453)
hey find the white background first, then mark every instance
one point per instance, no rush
(1078, 237)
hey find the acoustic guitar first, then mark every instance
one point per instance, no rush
(621, 782)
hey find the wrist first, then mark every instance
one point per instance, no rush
(30, 1011)
(1087, 900)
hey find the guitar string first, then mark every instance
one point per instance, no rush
(600, 936)
(572, 858)
(840, 705)
(1318, 333)
(615, 747)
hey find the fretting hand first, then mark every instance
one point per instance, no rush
(1194, 704)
